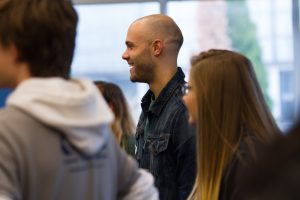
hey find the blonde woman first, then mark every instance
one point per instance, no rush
(226, 103)
(123, 126)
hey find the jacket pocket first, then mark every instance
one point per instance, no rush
(157, 145)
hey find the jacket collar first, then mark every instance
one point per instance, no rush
(164, 96)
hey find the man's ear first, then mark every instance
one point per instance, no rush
(157, 46)
(14, 51)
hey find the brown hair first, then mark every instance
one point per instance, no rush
(229, 101)
(123, 123)
(44, 33)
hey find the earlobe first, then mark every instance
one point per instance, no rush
(14, 51)
(157, 47)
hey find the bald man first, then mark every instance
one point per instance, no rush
(165, 142)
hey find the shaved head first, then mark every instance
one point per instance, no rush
(162, 27)
(152, 47)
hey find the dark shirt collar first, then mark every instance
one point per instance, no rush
(176, 81)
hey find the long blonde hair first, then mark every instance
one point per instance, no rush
(123, 123)
(229, 100)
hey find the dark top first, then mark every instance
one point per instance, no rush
(236, 167)
(276, 175)
(168, 151)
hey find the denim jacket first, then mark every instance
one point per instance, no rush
(169, 150)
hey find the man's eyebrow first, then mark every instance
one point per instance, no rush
(128, 43)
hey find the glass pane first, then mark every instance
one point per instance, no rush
(261, 30)
(100, 43)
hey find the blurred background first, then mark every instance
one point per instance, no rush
(266, 31)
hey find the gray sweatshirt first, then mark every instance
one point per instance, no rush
(55, 143)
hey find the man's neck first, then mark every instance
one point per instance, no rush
(23, 73)
(162, 79)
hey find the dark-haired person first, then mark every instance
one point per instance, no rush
(165, 140)
(226, 103)
(55, 140)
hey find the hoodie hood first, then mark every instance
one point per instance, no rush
(76, 107)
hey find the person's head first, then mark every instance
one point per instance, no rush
(123, 122)
(152, 41)
(225, 101)
(39, 34)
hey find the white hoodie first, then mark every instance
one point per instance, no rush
(78, 110)
(74, 107)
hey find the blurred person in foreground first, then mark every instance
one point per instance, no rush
(226, 103)
(276, 175)
(165, 140)
(122, 126)
(55, 140)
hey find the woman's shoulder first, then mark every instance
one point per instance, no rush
(245, 155)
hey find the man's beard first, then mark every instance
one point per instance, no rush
(143, 73)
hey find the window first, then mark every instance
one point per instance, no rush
(100, 44)
(261, 30)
